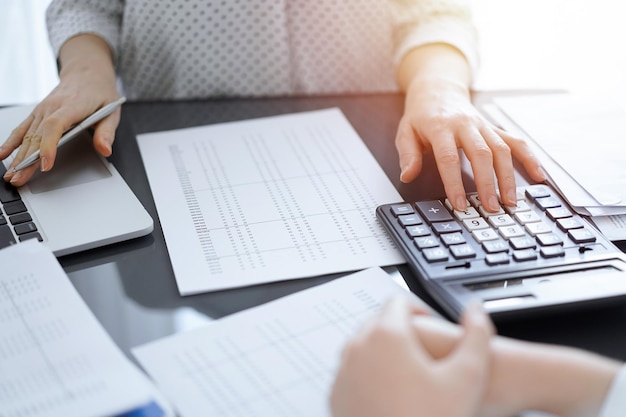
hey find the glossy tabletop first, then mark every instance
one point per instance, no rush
(131, 288)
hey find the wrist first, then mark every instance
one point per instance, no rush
(439, 86)
(86, 53)
(434, 64)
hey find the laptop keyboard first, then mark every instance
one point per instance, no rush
(16, 223)
(440, 243)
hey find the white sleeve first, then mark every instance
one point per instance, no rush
(68, 18)
(421, 22)
(615, 402)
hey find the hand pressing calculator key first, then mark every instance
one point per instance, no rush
(537, 256)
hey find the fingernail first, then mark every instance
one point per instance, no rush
(44, 164)
(493, 203)
(512, 197)
(542, 174)
(15, 177)
(461, 204)
(403, 170)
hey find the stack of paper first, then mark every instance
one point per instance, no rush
(582, 145)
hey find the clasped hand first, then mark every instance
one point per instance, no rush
(390, 368)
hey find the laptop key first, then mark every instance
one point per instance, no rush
(24, 228)
(33, 235)
(14, 207)
(20, 218)
(6, 237)
(8, 192)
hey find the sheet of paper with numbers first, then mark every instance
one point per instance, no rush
(278, 359)
(267, 199)
(55, 358)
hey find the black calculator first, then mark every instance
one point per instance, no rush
(536, 256)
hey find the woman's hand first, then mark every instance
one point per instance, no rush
(87, 82)
(387, 371)
(440, 118)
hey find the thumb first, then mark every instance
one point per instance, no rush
(409, 151)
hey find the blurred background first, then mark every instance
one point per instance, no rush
(576, 45)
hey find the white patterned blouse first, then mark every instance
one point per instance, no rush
(175, 49)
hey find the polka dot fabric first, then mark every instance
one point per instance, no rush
(205, 49)
(175, 49)
(341, 46)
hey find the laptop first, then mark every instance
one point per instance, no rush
(82, 203)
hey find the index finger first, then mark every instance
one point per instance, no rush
(449, 165)
(480, 156)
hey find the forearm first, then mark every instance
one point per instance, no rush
(557, 380)
(530, 376)
(434, 65)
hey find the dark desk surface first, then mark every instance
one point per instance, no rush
(131, 287)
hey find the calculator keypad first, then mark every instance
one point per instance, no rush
(540, 227)
(517, 260)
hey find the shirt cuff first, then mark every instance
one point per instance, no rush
(454, 32)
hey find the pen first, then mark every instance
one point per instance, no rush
(98, 115)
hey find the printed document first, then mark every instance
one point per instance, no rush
(278, 359)
(268, 199)
(579, 141)
(583, 135)
(56, 360)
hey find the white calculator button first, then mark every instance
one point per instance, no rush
(521, 206)
(475, 224)
(535, 229)
(508, 232)
(501, 220)
(475, 200)
(527, 217)
(486, 213)
(470, 213)
(449, 204)
(485, 235)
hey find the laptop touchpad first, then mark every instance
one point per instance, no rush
(76, 163)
